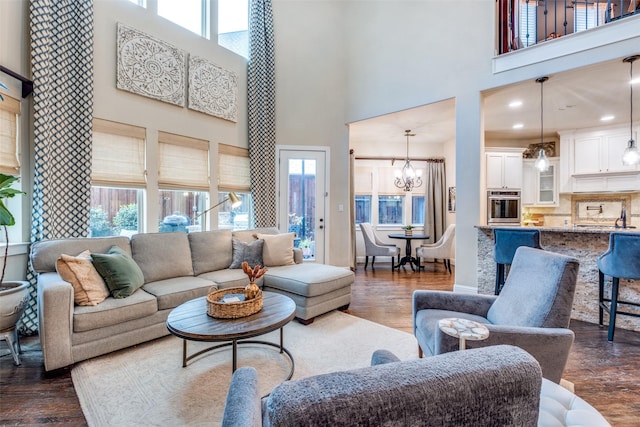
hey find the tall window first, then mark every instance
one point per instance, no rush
(363, 183)
(528, 22)
(117, 178)
(390, 210)
(9, 119)
(183, 182)
(190, 14)
(363, 208)
(417, 210)
(233, 26)
(233, 175)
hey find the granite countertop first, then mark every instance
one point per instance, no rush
(577, 229)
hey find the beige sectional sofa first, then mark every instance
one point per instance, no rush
(177, 267)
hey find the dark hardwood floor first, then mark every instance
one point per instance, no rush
(607, 375)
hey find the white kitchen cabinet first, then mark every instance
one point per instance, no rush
(601, 153)
(540, 188)
(592, 161)
(504, 169)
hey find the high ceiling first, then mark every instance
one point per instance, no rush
(572, 100)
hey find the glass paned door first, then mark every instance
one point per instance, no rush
(302, 200)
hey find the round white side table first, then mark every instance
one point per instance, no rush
(464, 330)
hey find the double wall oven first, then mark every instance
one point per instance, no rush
(503, 207)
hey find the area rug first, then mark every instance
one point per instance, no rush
(146, 385)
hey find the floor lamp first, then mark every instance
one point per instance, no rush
(235, 202)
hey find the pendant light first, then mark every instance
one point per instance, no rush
(408, 178)
(542, 162)
(631, 155)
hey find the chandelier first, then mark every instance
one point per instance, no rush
(631, 155)
(408, 178)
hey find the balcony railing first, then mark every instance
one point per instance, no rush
(524, 23)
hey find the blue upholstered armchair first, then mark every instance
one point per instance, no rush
(532, 311)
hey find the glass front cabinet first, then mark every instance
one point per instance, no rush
(540, 188)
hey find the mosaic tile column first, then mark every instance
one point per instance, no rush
(261, 92)
(62, 66)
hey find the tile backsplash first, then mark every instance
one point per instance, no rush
(596, 209)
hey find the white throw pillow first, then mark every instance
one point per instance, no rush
(88, 286)
(277, 249)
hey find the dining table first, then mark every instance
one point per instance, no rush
(408, 258)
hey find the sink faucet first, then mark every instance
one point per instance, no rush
(623, 218)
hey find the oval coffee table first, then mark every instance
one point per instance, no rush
(191, 322)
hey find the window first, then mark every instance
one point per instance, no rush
(239, 218)
(115, 211)
(9, 122)
(117, 179)
(363, 208)
(234, 175)
(180, 210)
(233, 26)
(528, 22)
(417, 210)
(588, 16)
(390, 209)
(190, 14)
(183, 181)
(141, 3)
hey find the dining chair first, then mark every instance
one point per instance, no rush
(443, 249)
(374, 247)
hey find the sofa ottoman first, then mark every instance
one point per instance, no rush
(315, 288)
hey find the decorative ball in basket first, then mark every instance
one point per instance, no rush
(232, 303)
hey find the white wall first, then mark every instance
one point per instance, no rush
(310, 100)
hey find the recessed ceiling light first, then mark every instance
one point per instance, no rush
(514, 104)
(518, 126)
(607, 118)
(635, 81)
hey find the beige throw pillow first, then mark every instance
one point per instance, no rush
(88, 286)
(277, 249)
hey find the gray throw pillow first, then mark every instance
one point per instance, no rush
(250, 252)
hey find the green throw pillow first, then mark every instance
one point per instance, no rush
(119, 271)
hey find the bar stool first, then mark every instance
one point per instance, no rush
(620, 261)
(506, 241)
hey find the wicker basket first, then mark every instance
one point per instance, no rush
(232, 310)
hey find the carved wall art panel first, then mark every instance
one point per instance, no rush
(212, 89)
(150, 67)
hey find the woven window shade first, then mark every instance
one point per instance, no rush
(183, 162)
(363, 180)
(9, 112)
(233, 169)
(386, 179)
(118, 154)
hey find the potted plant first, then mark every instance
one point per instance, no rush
(408, 230)
(15, 294)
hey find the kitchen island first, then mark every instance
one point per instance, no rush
(585, 244)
